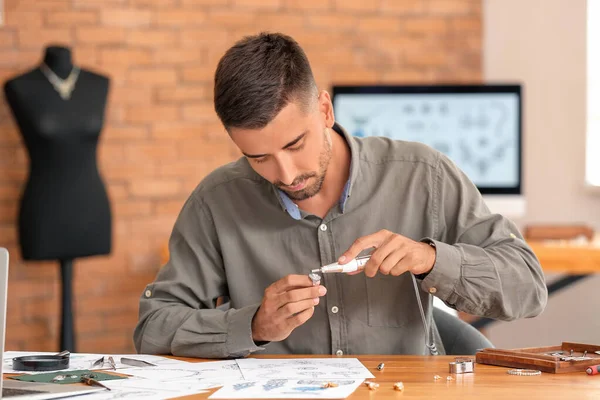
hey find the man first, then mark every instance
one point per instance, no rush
(307, 194)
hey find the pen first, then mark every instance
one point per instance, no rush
(355, 264)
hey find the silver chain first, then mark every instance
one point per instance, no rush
(429, 339)
(64, 87)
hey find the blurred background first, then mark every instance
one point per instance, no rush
(161, 136)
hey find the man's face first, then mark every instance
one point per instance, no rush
(294, 150)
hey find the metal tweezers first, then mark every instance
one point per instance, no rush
(136, 363)
(103, 360)
(124, 360)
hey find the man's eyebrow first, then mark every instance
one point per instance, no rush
(290, 144)
(293, 142)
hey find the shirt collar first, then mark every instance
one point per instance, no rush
(292, 209)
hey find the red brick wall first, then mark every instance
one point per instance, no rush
(161, 135)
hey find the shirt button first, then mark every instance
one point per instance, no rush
(432, 290)
(512, 235)
(334, 309)
(323, 227)
(148, 293)
(339, 353)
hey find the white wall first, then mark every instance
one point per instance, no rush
(542, 44)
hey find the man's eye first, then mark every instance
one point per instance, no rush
(259, 160)
(299, 147)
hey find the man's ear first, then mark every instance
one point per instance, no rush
(326, 108)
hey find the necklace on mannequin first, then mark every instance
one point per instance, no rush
(64, 87)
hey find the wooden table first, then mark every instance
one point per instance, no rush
(575, 262)
(488, 382)
(570, 259)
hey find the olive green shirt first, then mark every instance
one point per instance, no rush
(237, 234)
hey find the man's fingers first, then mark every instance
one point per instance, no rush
(300, 318)
(359, 245)
(403, 265)
(363, 243)
(394, 251)
(287, 303)
(290, 282)
(379, 255)
(290, 309)
(391, 261)
(296, 295)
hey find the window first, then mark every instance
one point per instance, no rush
(592, 173)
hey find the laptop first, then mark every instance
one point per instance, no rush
(13, 389)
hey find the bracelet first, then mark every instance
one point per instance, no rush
(524, 372)
(432, 244)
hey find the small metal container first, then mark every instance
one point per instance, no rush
(461, 366)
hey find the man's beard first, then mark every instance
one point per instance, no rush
(309, 191)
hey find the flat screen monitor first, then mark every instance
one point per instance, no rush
(477, 126)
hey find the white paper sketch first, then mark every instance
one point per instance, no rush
(253, 369)
(265, 378)
(175, 388)
(85, 360)
(226, 371)
(288, 388)
(136, 394)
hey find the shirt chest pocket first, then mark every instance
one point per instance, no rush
(391, 301)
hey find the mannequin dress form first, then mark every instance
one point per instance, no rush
(64, 210)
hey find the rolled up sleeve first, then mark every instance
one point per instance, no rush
(483, 265)
(178, 313)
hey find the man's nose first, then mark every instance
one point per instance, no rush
(287, 171)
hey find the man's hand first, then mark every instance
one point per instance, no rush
(287, 304)
(393, 255)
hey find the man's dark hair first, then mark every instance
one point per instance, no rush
(258, 77)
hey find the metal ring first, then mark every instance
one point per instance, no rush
(524, 372)
(315, 278)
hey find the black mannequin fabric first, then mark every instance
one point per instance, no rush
(65, 211)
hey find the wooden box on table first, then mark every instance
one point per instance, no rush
(540, 358)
